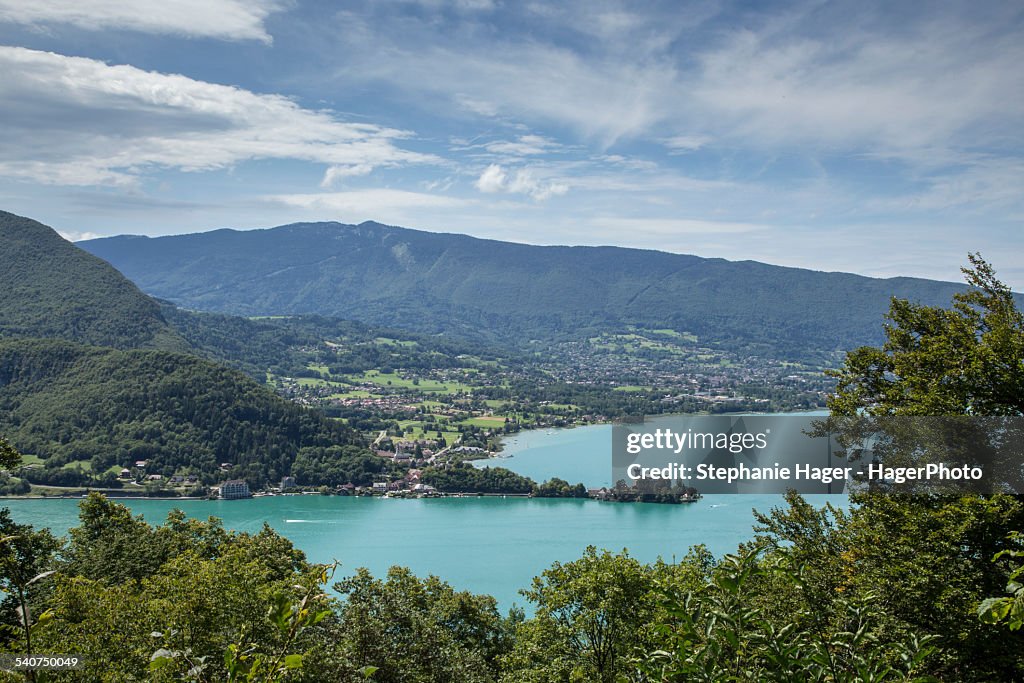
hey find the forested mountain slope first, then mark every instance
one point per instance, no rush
(51, 288)
(66, 402)
(115, 399)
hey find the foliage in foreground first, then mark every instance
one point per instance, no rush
(724, 632)
(1008, 609)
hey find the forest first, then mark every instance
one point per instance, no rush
(68, 403)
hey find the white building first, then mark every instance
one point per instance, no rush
(235, 488)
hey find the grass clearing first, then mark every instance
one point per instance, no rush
(388, 341)
(355, 393)
(313, 382)
(682, 336)
(487, 422)
(418, 432)
(393, 379)
(430, 405)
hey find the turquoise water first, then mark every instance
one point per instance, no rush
(582, 454)
(486, 545)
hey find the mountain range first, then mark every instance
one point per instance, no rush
(511, 293)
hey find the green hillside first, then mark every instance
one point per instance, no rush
(498, 291)
(64, 402)
(92, 379)
(51, 288)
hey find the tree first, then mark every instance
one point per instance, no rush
(9, 457)
(413, 629)
(26, 557)
(723, 632)
(110, 545)
(1011, 608)
(202, 590)
(591, 614)
(964, 360)
(926, 559)
(928, 556)
(256, 660)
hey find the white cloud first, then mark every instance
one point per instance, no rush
(649, 178)
(77, 121)
(458, 5)
(937, 84)
(984, 185)
(835, 78)
(73, 236)
(494, 179)
(475, 105)
(682, 144)
(335, 173)
(397, 207)
(439, 184)
(525, 145)
(224, 19)
(604, 96)
(475, 5)
(367, 203)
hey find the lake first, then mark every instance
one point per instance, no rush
(486, 545)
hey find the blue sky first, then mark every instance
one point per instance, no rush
(878, 138)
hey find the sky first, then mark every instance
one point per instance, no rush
(871, 137)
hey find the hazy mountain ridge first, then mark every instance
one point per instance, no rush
(500, 291)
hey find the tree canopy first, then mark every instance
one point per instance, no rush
(966, 359)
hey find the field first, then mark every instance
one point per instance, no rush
(395, 380)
